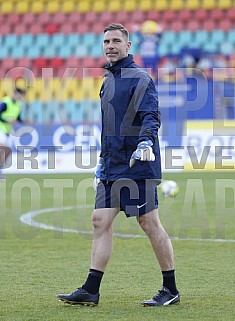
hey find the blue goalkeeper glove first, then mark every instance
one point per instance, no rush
(144, 152)
(98, 170)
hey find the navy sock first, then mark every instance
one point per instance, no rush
(169, 281)
(92, 284)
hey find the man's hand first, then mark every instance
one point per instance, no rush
(144, 152)
(98, 170)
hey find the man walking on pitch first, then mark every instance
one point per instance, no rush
(129, 169)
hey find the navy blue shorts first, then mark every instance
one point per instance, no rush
(133, 197)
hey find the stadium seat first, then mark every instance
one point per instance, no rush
(185, 15)
(231, 36)
(81, 51)
(52, 6)
(18, 52)
(58, 40)
(225, 4)
(29, 18)
(145, 5)
(41, 62)
(11, 40)
(185, 38)
(99, 6)
(114, 6)
(90, 17)
(201, 15)
(225, 25)
(84, 6)
(6, 7)
(65, 51)
(22, 6)
(26, 40)
(49, 51)
(121, 16)
(153, 15)
(192, 25)
(24, 62)
(129, 5)
(68, 6)
(5, 29)
(177, 26)
(194, 4)
(169, 15)
(37, 7)
(106, 17)
(211, 47)
(4, 52)
(137, 16)
(208, 25)
(161, 5)
(96, 50)
(12, 19)
(42, 40)
(201, 37)
(209, 4)
(36, 29)
(33, 52)
(67, 28)
(177, 4)
(59, 18)
(218, 36)
(217, 14)
(231, 14)
(9, 63)
(51, 28)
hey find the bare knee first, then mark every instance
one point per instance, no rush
(149, 222)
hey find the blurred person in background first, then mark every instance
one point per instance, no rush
(10, 113)
(149, 35)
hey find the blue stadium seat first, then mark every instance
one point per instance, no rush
(42, 40)
(18, 52)
(58, 40)
(185, 38)
(231, 36)
(65, 51)
(81, 51)
(4, 52)
(201, 37)
(50, 51)
(26, 40)
(10, 40)
(211, 47)
(96, 50)
(73, 39)
(169, 37)
(33, 52)
(218, 36)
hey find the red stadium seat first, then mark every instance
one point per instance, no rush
(97, 27)
(36, 29)
(24, 62)
(59, 18)
(13, 18)
(137, 16)
(225, 25)
(90, 17)
(68, 28)
(56, 62)
(217, 14)
(106, 17)
(9, 63)
(29, 18)
(185, 15)
(209, 25)
(44, 18)
(51, 28)
(231, 14)
(201, 14)
(193, 25)
(177, 26)
(121, 17)
(75, 17)
(169, 16)
(5, 29)
(20, 29)
(153, 15)
(41, 62)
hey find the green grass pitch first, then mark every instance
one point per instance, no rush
(36, 263)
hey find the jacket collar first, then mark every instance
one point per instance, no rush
(122, 63)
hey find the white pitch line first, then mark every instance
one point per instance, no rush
(28, 219)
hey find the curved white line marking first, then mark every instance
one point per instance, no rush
(27, 219)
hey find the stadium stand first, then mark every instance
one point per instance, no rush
(37, 35)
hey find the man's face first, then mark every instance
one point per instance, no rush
(115, 45)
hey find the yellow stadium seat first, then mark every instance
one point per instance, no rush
(7, 7)
(193, 4)
(68, 6)
(177, 4)
(37, 7)
(115, 5)
(161, 5)
(84, 6)
(130, 5)
(146, 5)
(209, 4)
(99, 6)
(53, 6)
(22, 6)
(225, 4)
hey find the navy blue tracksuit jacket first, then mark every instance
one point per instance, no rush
(130, 114)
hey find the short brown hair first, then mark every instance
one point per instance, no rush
(117, 26)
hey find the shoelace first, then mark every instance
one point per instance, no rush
(160, 295)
